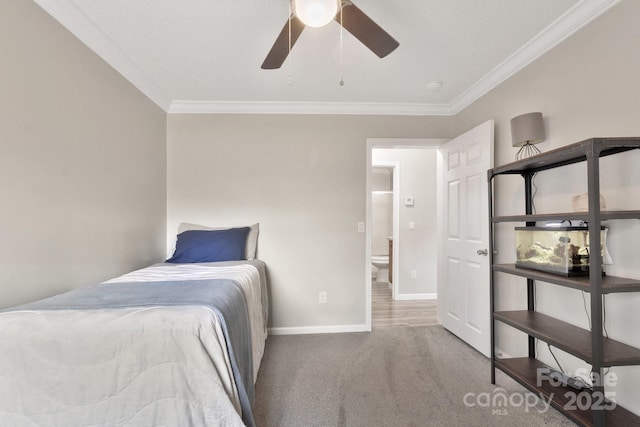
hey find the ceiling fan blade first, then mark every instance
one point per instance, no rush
(365, 30)
(280, 49)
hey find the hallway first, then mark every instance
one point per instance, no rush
(388, 313)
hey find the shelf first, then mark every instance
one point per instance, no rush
(610, 284)
(567, 155)
(592, 347)
(574, 216)
(525, 370)
(572, 339)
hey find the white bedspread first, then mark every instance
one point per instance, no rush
(148, 366)
(245, 275)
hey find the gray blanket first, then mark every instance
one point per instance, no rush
(224, 297)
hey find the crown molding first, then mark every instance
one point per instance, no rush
(77, 23)
(568, 23)
(564, 26)
(354, 108)
(74, 20)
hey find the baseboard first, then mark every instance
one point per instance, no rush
(409, 297)
(332, 329)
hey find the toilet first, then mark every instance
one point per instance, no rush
(381, 262)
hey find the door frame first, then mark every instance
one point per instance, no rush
(386, 143)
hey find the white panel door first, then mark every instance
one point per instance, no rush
(463, 294)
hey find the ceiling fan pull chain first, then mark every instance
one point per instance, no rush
(341, 81)
(289, 54)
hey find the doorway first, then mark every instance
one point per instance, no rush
(409, 220)
(385, 204)
(462, 273)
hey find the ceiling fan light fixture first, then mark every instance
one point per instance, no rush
(316, 13)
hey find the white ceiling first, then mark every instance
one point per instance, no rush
(205, 55)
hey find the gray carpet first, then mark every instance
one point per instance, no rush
(389, 377)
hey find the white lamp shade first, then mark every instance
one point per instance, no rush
(315, 13)
(527, 129)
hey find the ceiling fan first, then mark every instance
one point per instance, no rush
(352, 19)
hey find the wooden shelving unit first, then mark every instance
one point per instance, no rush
(609, 284)
(589, 345)
(604, 215)
(569, 338)
(525, 371)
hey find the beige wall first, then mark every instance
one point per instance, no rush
(303, 178)
(82, 163)
(587, 86)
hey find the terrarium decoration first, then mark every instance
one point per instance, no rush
(558, 250)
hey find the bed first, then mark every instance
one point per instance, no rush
(172, 344)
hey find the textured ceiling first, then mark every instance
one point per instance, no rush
(206, 54)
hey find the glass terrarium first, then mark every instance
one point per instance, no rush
(558, 250)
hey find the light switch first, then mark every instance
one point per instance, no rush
(408, 201)
(412, 225)
(361, 227)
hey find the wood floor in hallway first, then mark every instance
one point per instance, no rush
(386, 312)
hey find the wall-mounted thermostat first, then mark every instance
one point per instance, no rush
(408, 201)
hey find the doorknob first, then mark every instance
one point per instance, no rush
(483, 252)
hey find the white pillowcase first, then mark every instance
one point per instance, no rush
(252, 238)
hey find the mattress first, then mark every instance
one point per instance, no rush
(141, 365)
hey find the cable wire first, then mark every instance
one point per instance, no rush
(554, 358)
(533, 195)
(604, 317)
(584, 301)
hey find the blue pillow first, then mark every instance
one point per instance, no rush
(210, 245)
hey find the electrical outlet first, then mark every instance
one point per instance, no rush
(414, 274)
(322, 297)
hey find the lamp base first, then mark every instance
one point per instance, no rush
(527, 150)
